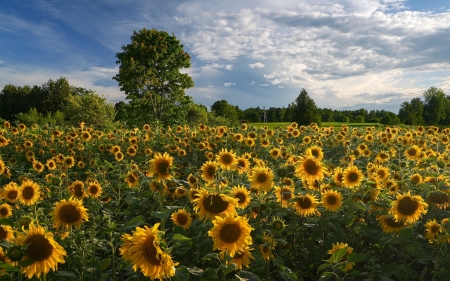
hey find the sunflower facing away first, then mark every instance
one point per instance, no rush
(226, 159)
(332, 200)
(242, 194)
(389, 224)
(242, 258)
(352, 177)
(42, 248)
(182, 218)
(261, 178)
(336, 247)
(160, 166)
(69, 213)
(310, 169)
(142, 250)
(305, 205)
(29, 192)
(408, 208)
(231, 233)
(209, 205)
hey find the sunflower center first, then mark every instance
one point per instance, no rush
(412, 152)
(434, 229)
(238, 256)
(93, 189)
(78, 190)
(182, 219)
(261, 178)
(310, 167)
(352, 177)
(215, 204)
(393, 223)
(287, 194)
(12, 194)
(230, 233)
(3, 212)
(226, 159)
(3, 233)
(407, 206)
(150, 253)
(331, 199)
(304, 202)
(69, 214)
(315, 153)
(210, 171)
(163, 167)
(240, 196)
(28, 192)
(40, 248)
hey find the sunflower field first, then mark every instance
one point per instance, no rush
(222, 203)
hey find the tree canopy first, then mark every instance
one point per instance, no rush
(305, 110)
(149, 74)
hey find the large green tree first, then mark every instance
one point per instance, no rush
(305, 110)
(89, 108)
(223, 109)
(435, 106)
(150, 76)
(411, 113)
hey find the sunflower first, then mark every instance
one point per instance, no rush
(242, 258)
(266, 248)
(275, 153)
(408, 208)
(315, 152)
(332, 200)
(310, 169)
(42, 248)
(432, 230)
(119, 156)
(305, 205)
(182, 218)
(211, 205)
(261, 178)
(131, 151)
(352, 177)
(69, 213)
(413, 152)
(226, 159)
(132, 179)
(209, 170)
(38, 166)
(143, 251)
(192, 194)
(76, 190)
(160, 166)
(5, 210)
(231, 233)
(68, 162)
(381, 173)
(11, 191)
(338, 176)
(336, 247)
(51, 164)
(242, 194)
(389, 224)
(283, 194)
(416, 178)
(242, 165)
(6, 232)
(29, 192)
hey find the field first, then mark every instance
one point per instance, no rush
(219, 203)
(283, 125)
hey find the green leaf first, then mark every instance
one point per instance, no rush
(355, 273)
(105, 263)
(248, 276)
(195, 271)
(406, 233)
(387, 239)
(210, 274)
(357, 257)
(67, 274)
(415, 249)
(136, 221)
(323, 266)
(26, 262)
(325, 276)
(360, 205)
(181, 274)
(338, 255)
(161, 215)
(5, 221)
(211, 256)
(227, 268)
(181, 238)
(9, 268)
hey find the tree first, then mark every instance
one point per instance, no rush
(435, 106)
(306, 111)
(89, 108)
(55, 95)
(410, 113)
(223, 109)
(149, 73)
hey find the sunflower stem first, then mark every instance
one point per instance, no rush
(161, 202)
(270, 256)
(225, 258)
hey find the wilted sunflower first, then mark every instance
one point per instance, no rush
(76, 190)
(336, 247)
(352, 177)
(432, 230)
(160, 166)
(11, 191)
(261, 178)
(242, 258)
(332, 200)
(389, 224)
(310, 169)
(209, 170)
(231, 233)
(242, 194)
(69, 213)
(209, 205)
(305, 205)
(182, 218)
(143, 251)
(283, 194)
(29, 192)
(5, 210)
(408, 208)
(226, 159)
(42, 248)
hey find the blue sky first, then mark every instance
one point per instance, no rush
(347, 54)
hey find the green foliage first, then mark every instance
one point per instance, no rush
(223, 109)
(34, 117)
(435, 106)
(411, 113)
(89, 108)
(149, 74)
(306, 111)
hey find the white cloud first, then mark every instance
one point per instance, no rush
(264, 85)
(183, 21)
(228, 84)
(256, 65)
(229, 67)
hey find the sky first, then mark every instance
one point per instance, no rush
(347, 54)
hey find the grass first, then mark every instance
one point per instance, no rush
(272, 125)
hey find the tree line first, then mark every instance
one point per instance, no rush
(154, 86)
